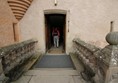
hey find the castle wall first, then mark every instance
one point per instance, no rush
(6, 24)
(88, 20)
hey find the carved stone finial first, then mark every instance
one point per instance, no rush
(112, 38)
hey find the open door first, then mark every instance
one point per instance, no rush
(64, 36)
(47, 34)
(55, 21)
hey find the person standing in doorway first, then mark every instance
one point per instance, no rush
(56, 34)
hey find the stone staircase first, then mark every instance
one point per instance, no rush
(51, 75)
(52, 69)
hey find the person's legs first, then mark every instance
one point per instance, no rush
(57, 41)
(54, 39)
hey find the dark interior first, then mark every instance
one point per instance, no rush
(55, 21)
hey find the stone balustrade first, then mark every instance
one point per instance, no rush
(12, 57)
(85, 53)
(107, 64)
(100, 65)
(107, 60)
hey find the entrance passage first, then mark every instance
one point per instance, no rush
(52, 22)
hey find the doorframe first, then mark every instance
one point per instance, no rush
(56, 11)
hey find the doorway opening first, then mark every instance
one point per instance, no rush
(53, 21)
(16, 32)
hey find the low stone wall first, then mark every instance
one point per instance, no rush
(12, 57)
(107, 64)
(85, 53)
(100, 65)
(107, 60)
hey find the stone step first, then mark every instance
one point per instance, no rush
(50, 79)
(53, 69)
(56, 79)
(50, 72)
(54, 75)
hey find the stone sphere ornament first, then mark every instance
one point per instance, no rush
(112, 38)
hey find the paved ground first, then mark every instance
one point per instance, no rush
(55, 50)
(52, 75)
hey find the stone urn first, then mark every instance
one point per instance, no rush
(112, 38)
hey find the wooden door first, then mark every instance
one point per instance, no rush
(64, 35)
(47, 33)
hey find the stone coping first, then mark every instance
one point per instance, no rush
(90, 47)
(5, 50)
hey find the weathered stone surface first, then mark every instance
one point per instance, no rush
(86, 45)
(3, 78)
(101, 65)
(112, 38)
(108, 57)
(14, 56)
(85, 53)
